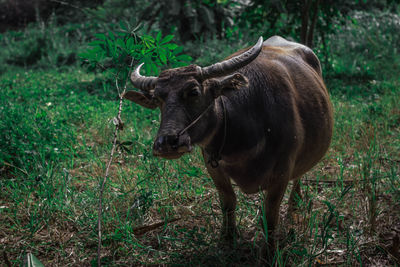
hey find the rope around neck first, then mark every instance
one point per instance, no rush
(214, 157)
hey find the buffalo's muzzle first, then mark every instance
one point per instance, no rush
(171, 146)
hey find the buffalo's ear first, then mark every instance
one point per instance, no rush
(229, 83)
(141, 99)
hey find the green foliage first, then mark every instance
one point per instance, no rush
(372, 41)
(284, 17)
(30, 52)
(17, 13)
(114, 51)
(214, 50)
(44, 45)
(113, 11)
(193, 20)
(364, 36)
(190, 20)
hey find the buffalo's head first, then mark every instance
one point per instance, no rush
(185, 94)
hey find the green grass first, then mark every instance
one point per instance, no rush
(56, 133)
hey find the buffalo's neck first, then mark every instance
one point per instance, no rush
(237, 131)
(209, 127)
(213, 140)
(245, 151)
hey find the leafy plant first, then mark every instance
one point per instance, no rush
(44, 45)
(113, 51)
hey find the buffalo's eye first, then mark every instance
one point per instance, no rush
(194, 92)
(160, 95)
(159, 99)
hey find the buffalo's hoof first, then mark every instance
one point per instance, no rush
(229, 237)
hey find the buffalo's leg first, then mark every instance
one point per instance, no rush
(295, 194)
(270, 215)
(227, 199)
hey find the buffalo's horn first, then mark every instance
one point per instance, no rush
(230, 65)
(142, 82)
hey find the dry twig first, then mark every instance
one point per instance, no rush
(147, 228)
(118, 126)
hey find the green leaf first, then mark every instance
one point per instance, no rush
(184, 58)
(147, 61)
(95, 43)
(111, 35)
(130, 43)
(100, 36)
(167, 39)
(109, 47)
(120, 43)
(88, 55)
(171, 46)
(32, 261)
(148, 38)
(123, 25)
(147, 43)
(178, 50)
(154, 68)
(158, 37)
(179, 64)
(163, 55)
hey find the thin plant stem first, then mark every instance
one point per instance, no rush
(118, 127)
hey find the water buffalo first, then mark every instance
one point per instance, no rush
(262, 117)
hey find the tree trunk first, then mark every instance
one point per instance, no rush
(304, 20)
(310, 36)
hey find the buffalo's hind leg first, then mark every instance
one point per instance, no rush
(270, 216)
(295, 195)
(227, 199)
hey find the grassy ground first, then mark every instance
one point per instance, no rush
(56, 130)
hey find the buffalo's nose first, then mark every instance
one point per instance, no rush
(166, 142)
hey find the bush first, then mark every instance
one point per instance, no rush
(113, 52)
(42, 45)
(373, 43)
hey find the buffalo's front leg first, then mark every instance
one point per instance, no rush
(227, 199)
